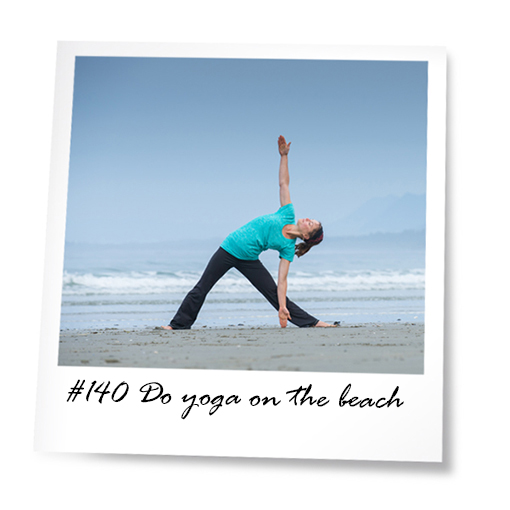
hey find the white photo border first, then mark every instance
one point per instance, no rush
(411, 432)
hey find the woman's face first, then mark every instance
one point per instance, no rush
(308, 227)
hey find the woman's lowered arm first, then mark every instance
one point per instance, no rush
(283, 313)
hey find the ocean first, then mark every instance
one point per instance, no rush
(377, 278)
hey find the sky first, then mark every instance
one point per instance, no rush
(186, 148)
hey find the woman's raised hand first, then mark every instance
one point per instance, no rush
(283, 146)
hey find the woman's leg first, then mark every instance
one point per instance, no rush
(262, 280)
(187, 313)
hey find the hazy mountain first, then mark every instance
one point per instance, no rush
(390, 214)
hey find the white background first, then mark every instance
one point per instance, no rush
(476, 334)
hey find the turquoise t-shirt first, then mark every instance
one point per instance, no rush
(263, 233)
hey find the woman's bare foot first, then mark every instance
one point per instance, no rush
(322, 324)
(166, 327)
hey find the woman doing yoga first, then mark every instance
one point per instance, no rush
(241, 249)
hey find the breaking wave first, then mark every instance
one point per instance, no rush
(180, 282)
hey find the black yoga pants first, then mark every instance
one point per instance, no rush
(256, 273)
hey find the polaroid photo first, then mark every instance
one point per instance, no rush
(245, 252)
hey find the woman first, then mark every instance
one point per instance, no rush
(242, 248)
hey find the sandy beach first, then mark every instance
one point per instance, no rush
(393, 348)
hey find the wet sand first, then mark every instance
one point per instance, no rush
(392, 348)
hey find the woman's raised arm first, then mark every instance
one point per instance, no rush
(284, 179)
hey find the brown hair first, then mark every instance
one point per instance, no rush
(305, 246)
